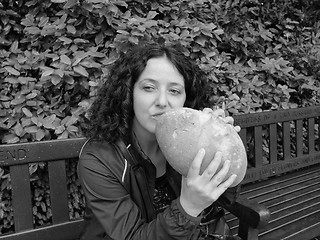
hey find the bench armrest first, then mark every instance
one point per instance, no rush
(252, 216)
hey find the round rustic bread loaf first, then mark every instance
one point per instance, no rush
(182, 132)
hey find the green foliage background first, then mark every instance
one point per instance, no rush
(259, 55)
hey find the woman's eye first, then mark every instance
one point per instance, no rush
(148, 88)
(175, 91)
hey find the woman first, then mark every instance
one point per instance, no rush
(131, 191)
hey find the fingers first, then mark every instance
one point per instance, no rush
(219, 113)
(237, 128)
(219, 178)
(229, 120)
(213, 166)
(194, 169)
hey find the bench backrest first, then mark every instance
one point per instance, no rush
(280, 141)
(261, 133)
(18, 157)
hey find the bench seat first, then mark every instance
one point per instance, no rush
(293, 200)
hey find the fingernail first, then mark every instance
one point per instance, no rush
(218, 153)
(202, 151)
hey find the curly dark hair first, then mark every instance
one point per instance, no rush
(111, 114)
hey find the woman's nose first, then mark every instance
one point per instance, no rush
(162, 99)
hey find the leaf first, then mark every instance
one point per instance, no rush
(151, 14)
(47, 72)
(18, 100)
(31, 95)
(59, 1)
(12, 70)
(99, 38)
(70, 4)
(91, 64)
(65, 40)
(59, 72)
(59, 130)
(18, 130)
(33, 30)
(64, 135)
(81, 70)
(56, 80)
(33, 168)
(218, 31)
(14, 47)
(72, 129)
(32, 129)
(31, 103)
(65, 59)
(27, 112)
(48, 122)
(40, 135)
(10, 138)
(71, 29)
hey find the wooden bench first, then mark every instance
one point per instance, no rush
(278, 184)
(18, 157)
(284, 173)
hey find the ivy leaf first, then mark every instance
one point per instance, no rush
(55, 80)
(65, 59)
(14, 47)
(65, 39)
(18, 130)
(81, 70)
(18, 100)
(48, 71)
(48, 121)
(152, 14)
(33, 168)
(59, 1)
(12, 70)
(10, 138)
(27, 112)
(33, 30)
(32, 129)
(40, 134)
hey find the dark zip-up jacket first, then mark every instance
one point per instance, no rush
(119, 194)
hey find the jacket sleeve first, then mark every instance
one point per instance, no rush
(111, 204)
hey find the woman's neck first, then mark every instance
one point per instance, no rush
(147, 142)
(150, 147)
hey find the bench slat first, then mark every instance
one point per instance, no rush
(58, 191)
(290, 225)
(294, 195)
(258, 146)
(268, 117)
(309, 232)
(311, 138)
(65, 231)
(21, 197)
(273, 143)
(23, 153)
(299, 138)
(286, 141)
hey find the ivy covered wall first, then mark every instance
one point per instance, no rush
(260, 55)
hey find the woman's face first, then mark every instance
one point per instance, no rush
(159, 88)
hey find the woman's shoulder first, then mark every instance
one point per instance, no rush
(100, 152)
(92, 146)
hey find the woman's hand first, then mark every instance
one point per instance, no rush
(221, 113)
(200, 191)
